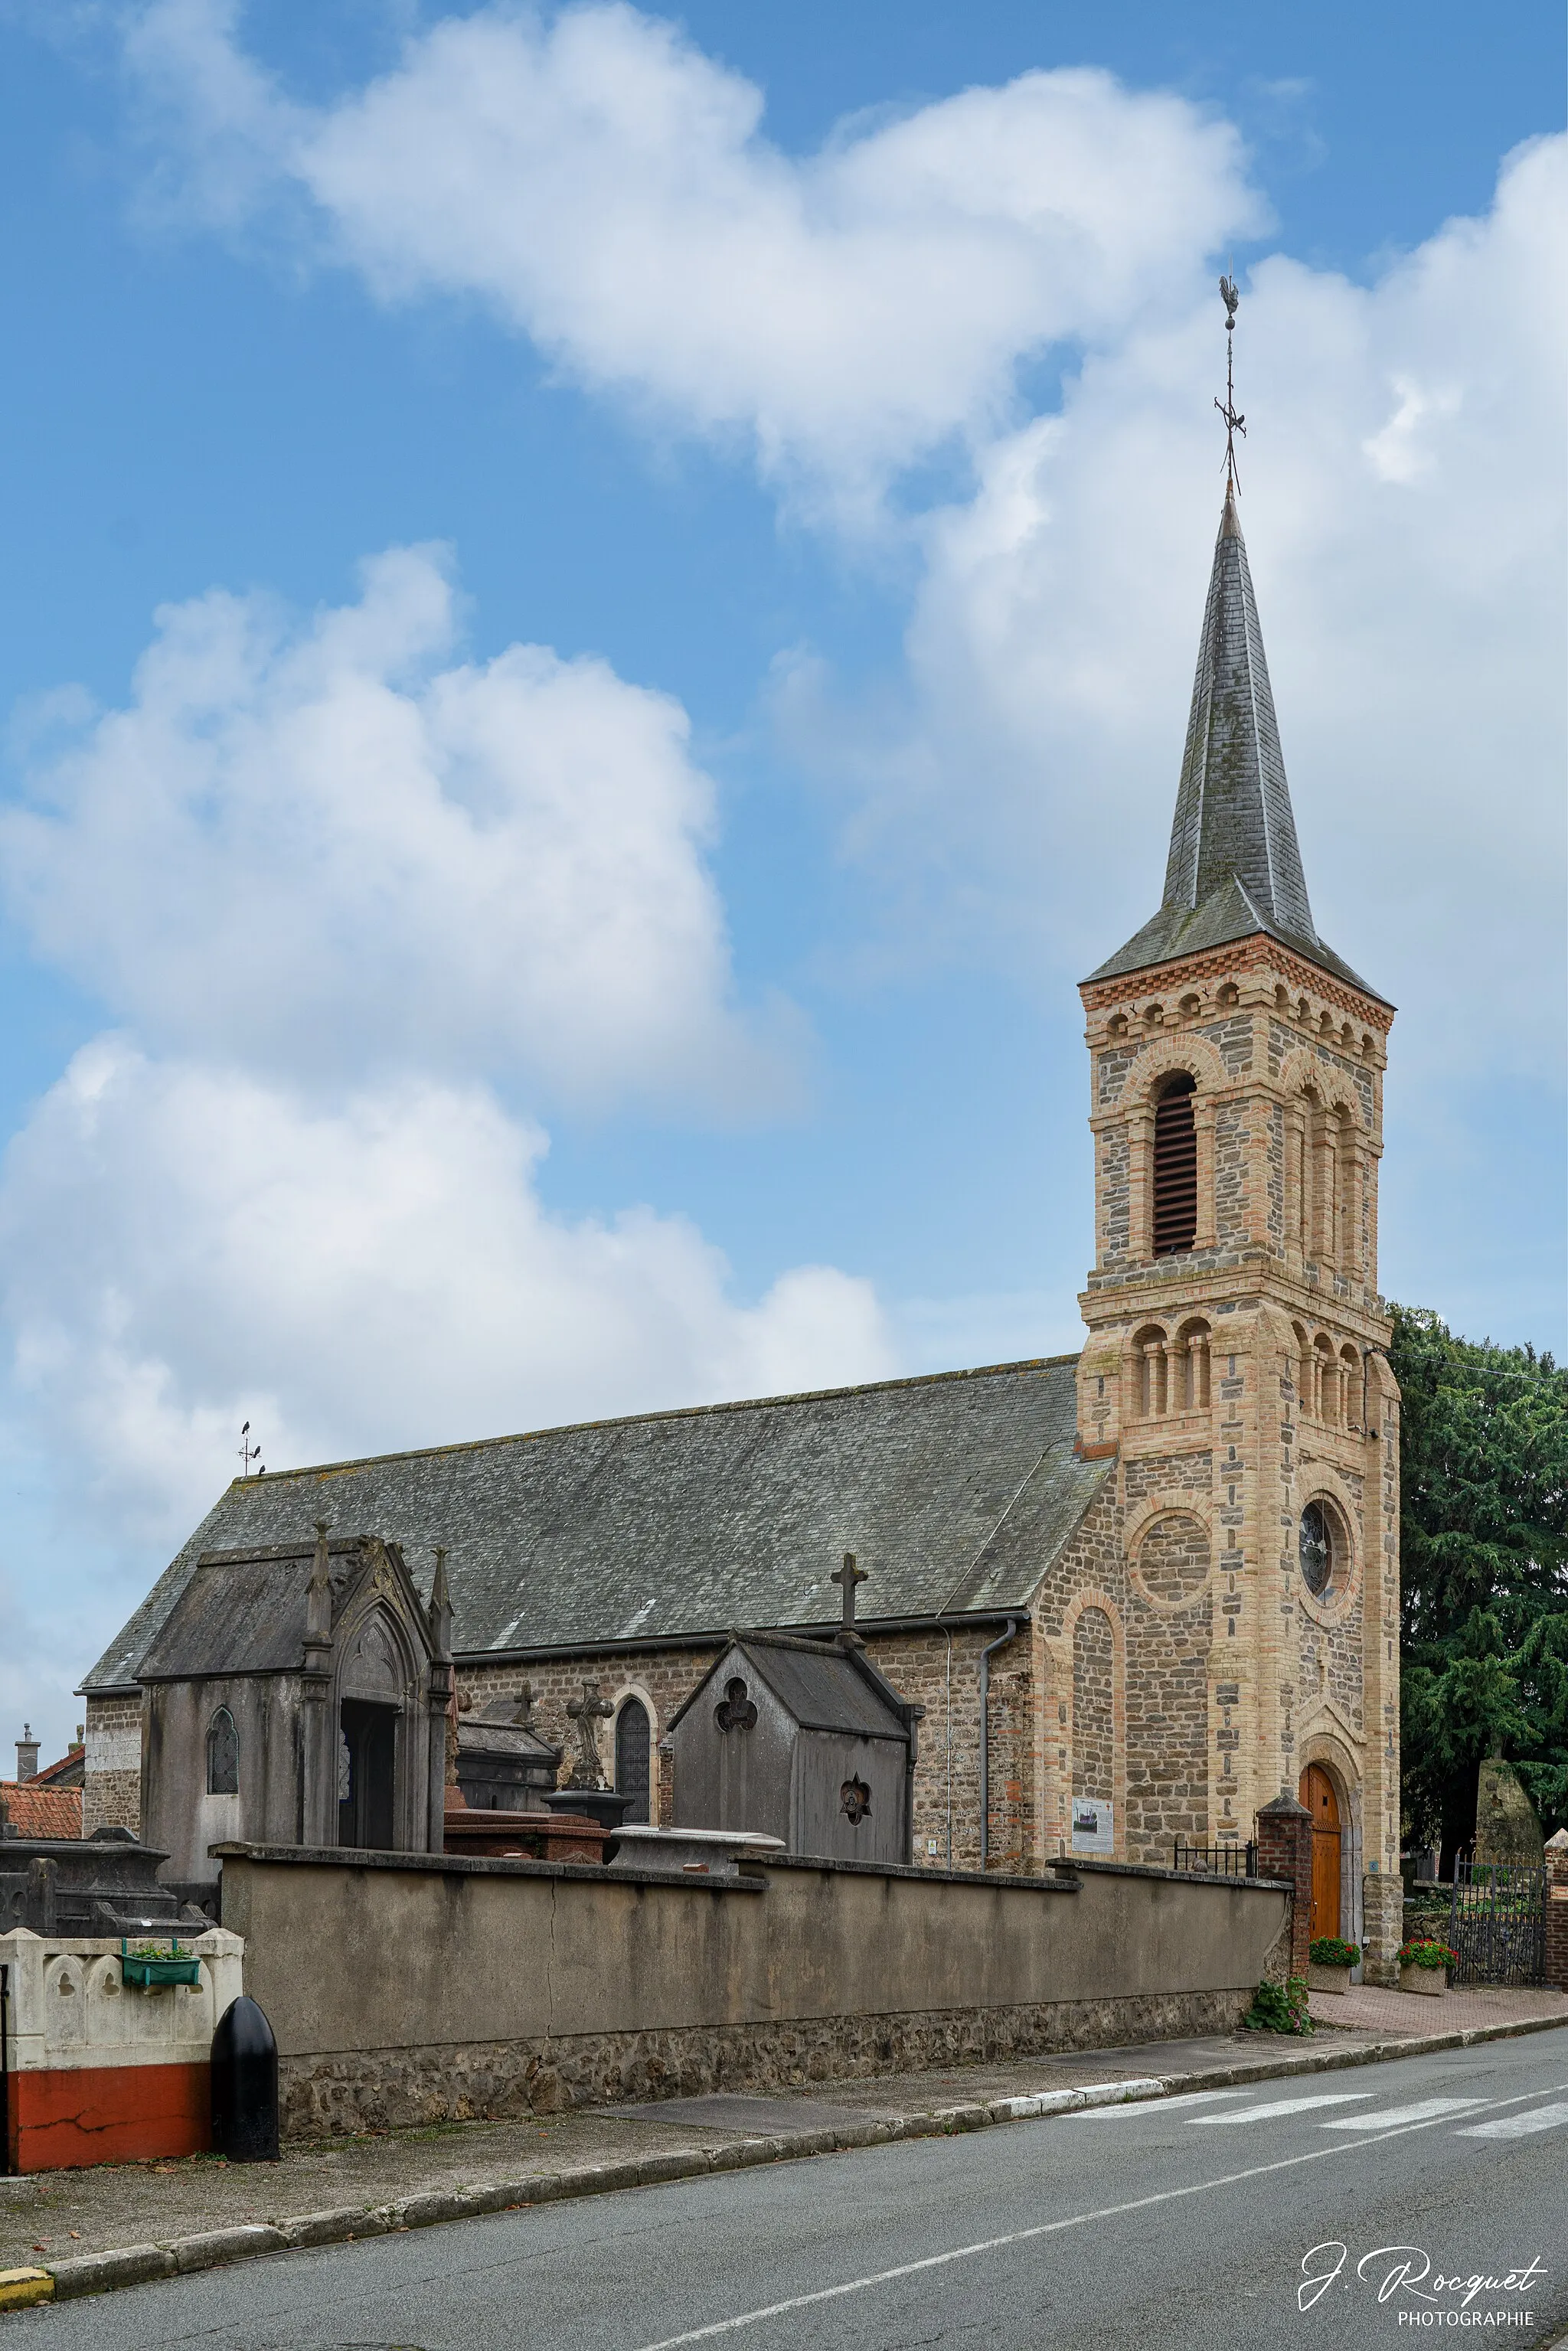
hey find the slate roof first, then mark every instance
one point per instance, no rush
(815, 1682)
(237, 1615)
(1234, 867)
(956, 1491)
(243, 1611)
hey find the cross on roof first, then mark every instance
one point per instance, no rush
(849, 1576)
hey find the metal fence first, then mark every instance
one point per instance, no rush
(1497, 1922)
(1216, 1860)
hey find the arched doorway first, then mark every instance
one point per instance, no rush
(631, 1757)
(1318, 1796)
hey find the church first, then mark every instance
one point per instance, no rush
(1113, 1602)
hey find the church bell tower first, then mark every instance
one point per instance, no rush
(1235, 1369)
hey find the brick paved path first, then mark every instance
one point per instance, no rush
(1364, 2009)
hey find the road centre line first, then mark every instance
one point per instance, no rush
(1518, 2126)
(1073, 2220)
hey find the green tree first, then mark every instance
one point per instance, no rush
(1484, 1544)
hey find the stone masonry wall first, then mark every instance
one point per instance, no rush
(1167, 1729)
(661, 1679)
(926, 1668)
(1094, 1662)
(1233, 1149)
(112, 1785)
(330, 2096)
(1173, 1558)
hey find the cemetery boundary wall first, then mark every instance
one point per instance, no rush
(409, 1989)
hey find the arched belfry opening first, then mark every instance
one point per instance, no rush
(1175, 1167)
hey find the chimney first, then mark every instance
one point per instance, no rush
(26, 1754)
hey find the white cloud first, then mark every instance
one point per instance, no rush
(606, 189)
(316, 849)
(1402, 499)
(187, 1247)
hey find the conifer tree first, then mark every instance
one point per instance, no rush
(1484, 1542)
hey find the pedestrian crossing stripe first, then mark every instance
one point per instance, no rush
(1288, 2107)
(1518, 2126)
(1425, 2110)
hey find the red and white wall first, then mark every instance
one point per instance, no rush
(97, 2071)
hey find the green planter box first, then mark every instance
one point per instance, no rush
(177, 1967)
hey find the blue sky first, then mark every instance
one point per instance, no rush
(414, 1035)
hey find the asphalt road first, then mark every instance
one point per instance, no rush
(1339, 2211)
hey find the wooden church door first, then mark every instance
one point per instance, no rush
(1318, 1796)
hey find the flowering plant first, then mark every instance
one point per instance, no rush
(1425, 1954)
(1328, 1952)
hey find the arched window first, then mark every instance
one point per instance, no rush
(1152, 1370)
(1325, 1402)
(1175, 1167)
(223, 1755)
(1191, 1369)
(1350, 1387)
(631, 1757)
(1303, 1369)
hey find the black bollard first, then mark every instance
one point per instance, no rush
(245, 2086)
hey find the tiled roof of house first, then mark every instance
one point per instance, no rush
(956, 1492)
(1234, 867)
(37, 1812)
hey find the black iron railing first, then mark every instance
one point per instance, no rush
(1497, 1922)
(1216, 1860)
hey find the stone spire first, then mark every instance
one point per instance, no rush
(1234, 867)
(1233, 810)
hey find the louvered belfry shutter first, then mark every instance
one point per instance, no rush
(1176, 1169)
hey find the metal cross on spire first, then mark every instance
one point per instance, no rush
(1226, 407)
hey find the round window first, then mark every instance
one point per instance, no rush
(1317, 1549)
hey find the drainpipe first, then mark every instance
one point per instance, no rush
(949, 1699)
(986, 1655)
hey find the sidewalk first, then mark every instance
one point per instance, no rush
(84, 2231)
(1364, 2009)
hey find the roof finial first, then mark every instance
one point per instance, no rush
(1233, 424)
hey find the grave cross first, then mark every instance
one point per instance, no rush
(589, 1770)
(849, 1576)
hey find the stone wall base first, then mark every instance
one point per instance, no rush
(328, 2096)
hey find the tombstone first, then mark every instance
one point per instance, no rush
(804, 1741)
(107, 1884)
(1507, 1828)
(297, 1694)
(503, 1764)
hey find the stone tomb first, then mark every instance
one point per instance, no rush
(503, 1764)
(296, 1694)
(802, 1740)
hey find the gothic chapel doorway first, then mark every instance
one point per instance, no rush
(366, 1767)
(1319, 1797)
